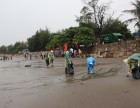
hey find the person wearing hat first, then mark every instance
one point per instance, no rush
(91, 62)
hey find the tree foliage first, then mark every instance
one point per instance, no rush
(116, 26)
(12, 49)
(84, 36)
(3, 49)
(95, 12)
(135, 12)
(93, 22)
(38, 41)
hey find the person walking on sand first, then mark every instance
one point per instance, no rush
(11, 56)
(68, 63)
(47, 58)
(30, 56)
(51, 57)
(91, 62)
(80, 53)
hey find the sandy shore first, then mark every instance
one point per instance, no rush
(43, 87)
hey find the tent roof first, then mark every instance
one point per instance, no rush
(117, 34)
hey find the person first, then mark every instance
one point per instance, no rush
(30, 56)
(72, 52)
(43, 55)
(11, 56)
(26, 55)
(68, 63)
(133, 68)
(47, 58)
(75, 53)
(80, 53)
(127, 64)
(91, 62)
(51, 57)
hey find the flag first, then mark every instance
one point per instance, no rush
(65, 46)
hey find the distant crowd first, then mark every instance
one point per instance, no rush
(56, 52)
(6, 57)
(50, 55)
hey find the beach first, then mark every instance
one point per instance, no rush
(40, 86)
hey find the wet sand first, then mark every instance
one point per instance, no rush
(40, 86)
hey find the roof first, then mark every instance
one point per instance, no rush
(117, 34)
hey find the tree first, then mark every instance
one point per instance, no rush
(19, 46)
(135, 12)
(54, 41)
(31, 43)
(44, 38)
(66, 35)
(86, 15)
(3, 49)
(39, 41)
(96, 13)
(10, 49)
(116, 26)
(90, 25)
(85, 36)
(69, 34)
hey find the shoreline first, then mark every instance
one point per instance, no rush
(48, 87)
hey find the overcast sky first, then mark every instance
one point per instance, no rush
(20, 19)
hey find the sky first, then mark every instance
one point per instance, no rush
(20, 19)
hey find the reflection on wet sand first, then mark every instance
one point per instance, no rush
(15, 73)
(17, 79)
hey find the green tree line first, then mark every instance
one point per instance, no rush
(93, 23)
(13, 49)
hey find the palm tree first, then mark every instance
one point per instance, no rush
(135, 12)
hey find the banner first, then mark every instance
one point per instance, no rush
(65, 46)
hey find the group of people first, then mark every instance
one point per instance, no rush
(6, 57)
(49, 57)
(76, 52)
(91, 62)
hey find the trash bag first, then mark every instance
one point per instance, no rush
(134, 65)
(136, 73)
(70, 69)
(47, 61)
